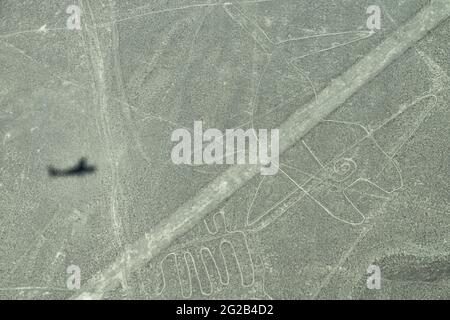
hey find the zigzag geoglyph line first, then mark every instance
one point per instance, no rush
(217, 238)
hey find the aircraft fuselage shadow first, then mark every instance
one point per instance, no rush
(80, 169)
